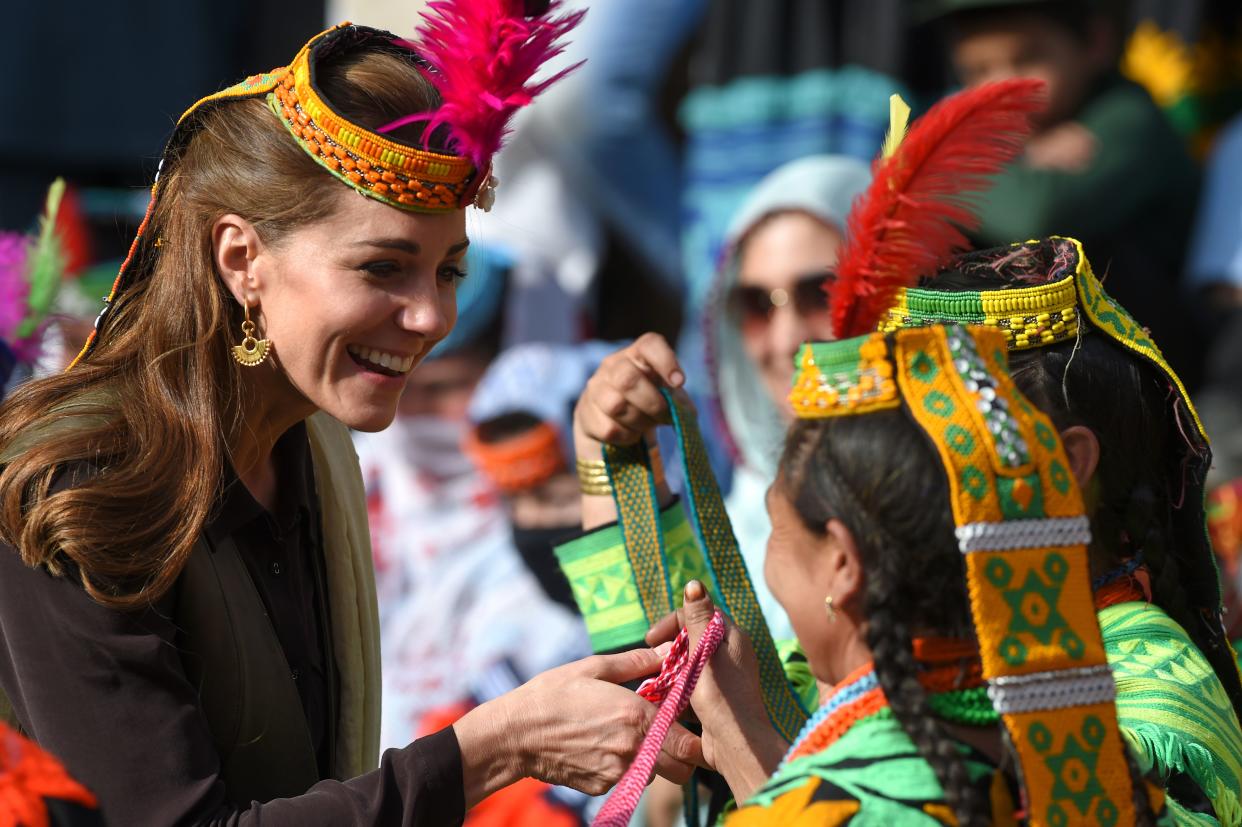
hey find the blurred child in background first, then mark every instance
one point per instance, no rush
(1104, 165)
(520, 440)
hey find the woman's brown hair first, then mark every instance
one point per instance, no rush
(144, 426)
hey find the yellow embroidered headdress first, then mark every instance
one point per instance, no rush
(1019, 516)
(479, 55)
(1048, 295)
(1023, 529)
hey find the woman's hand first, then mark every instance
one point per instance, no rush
(571, 726)
(622, 399)
(738, 738)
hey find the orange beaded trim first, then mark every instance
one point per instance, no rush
(399, 175)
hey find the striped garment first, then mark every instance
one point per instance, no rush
(1173, 709)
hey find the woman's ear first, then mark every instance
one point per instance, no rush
(844, 572)
(235, 244)
(1082, 447)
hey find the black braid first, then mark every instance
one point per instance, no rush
(897, 671)
(915, 577)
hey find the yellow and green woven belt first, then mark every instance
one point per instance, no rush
(628, 576)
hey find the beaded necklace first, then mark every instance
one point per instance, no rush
(857, 697)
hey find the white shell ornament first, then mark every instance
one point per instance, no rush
(485, 198)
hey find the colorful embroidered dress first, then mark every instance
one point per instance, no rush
(854, 763)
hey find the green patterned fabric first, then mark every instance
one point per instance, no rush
(729, 580)
(872, 775)
(599, 573)
(1172, 708)
(798, 672)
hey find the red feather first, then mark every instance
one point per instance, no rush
(483, 54)
(914, 215)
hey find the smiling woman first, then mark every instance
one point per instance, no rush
(183, 525)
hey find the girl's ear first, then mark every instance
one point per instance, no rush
(1082, 447)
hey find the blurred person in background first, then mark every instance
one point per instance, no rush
(1105, 165)
(1214, 275)
(521, 439)
(767, 300)
(768, 83)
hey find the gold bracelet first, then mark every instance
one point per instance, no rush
(593, 478)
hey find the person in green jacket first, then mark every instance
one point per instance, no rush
(1104, 164)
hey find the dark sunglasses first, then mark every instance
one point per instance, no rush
(748, 303)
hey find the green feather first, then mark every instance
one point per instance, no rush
(45, 265)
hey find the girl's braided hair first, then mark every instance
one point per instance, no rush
(879, 476)
(896, 505)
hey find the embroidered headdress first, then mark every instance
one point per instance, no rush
(1052, 296)
(1020, 518)
(480, 56)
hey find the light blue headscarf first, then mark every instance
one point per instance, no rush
(823, 186)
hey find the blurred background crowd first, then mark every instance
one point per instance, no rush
(639, 196)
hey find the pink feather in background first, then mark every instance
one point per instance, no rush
(14, 285)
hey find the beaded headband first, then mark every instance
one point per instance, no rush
(478, 54)
(1022, 527)
(402, 176)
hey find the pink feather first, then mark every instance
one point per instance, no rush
(483, 54)
(14, 285)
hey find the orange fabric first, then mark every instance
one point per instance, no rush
(949, 663)
(28, 775)
(839, 722)
(521, 805)
(933, 650)
(520, 462)
(1122, 590)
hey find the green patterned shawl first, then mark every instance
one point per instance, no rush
(872, 775)
(1172, 707)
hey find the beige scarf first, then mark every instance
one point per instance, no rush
(351, 593)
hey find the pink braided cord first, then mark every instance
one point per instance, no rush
(654, 689)
(620, 806)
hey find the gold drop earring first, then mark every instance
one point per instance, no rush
(832, 610)
(251, 351)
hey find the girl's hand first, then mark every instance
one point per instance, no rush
(622, 399)
(738, 738)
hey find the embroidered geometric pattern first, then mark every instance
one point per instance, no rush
(729, 579)
(845, 377)
(1046, 533)
(1041, 314)
(602, 580)
(629, 472)
(1028, 316)
(1029, 586)
(980, 385)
